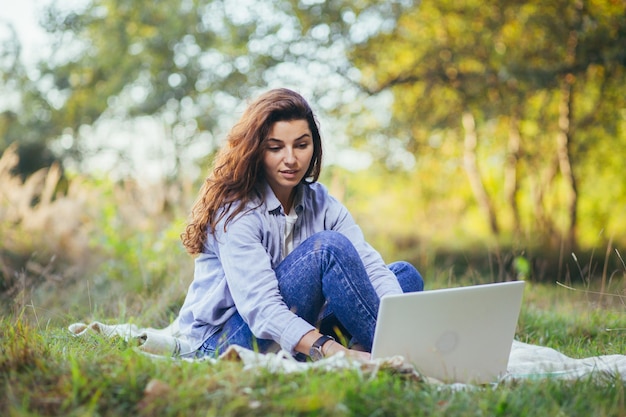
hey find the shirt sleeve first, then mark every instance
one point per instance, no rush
(253, 284)
(381, 277)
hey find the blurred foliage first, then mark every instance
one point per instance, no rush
(529, 96)
(187, 63)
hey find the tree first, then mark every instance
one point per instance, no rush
(165, 59)
(510, 76)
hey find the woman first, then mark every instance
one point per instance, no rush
(276, 254)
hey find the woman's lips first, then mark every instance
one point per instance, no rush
(291, 173)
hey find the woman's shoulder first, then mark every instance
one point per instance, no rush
(235, 211)
(316, 187)
(319, 195)
(315, 192)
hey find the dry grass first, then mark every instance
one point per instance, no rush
(76, 243)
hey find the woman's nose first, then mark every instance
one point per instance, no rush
(290, 156)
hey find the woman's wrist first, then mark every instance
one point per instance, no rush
(319, 347)
(327, 348)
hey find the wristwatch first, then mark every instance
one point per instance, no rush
(316, 350)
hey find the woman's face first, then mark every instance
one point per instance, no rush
(287, 157)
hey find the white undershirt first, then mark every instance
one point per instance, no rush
(290, 221)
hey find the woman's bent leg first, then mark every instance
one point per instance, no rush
(324, 269)
(408, 277)
(327, 268)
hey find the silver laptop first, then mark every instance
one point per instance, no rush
(454, 335)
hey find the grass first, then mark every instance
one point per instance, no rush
(46, 371)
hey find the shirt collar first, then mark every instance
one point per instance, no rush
(274, 206)
(298, 201)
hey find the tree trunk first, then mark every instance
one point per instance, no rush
(563, 144)
(471, 168)
(564, 139)
(543, 221)
(510, 171)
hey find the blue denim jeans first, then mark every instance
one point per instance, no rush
(323, 281)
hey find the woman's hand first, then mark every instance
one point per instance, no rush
(331, 348)
(359, 355)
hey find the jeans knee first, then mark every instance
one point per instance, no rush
(332, 239)
(408, 276)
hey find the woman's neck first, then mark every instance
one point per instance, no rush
(288, 203)
(286, 200)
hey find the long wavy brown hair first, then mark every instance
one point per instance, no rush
(238, 167)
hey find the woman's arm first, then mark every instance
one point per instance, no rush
(244, 252)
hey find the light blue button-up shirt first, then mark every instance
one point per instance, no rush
(235, 272)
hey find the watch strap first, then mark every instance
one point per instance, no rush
(316, 352)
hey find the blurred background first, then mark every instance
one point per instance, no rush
(480, 140)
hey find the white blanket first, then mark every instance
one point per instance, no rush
(526, 361)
